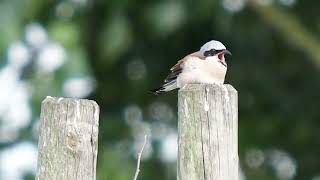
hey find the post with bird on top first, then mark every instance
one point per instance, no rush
(207, 115)
(208, 133)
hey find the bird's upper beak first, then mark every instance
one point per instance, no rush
(225, 51)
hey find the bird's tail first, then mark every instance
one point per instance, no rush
(169, 86)
(158, 91)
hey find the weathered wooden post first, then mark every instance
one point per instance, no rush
(68, 142)
(208, 133)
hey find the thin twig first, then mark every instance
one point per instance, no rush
(139, 158)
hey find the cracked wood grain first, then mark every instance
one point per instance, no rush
(68, 139)
(208, 133)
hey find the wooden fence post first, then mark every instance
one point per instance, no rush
(68, 139)
(208, 133)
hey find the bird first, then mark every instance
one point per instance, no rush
(206, 66)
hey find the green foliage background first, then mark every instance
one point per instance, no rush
(274, 67)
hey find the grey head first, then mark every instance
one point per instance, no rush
(213, 48)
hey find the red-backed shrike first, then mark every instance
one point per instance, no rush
(206, 66)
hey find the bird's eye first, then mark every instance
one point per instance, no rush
(211, 52)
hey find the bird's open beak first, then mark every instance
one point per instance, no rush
(225, 51)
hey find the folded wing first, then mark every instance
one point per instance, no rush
(170, 82)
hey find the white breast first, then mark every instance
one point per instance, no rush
(208, 71)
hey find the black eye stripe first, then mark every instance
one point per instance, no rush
(219, 51)
(206, 53)
(211, 52)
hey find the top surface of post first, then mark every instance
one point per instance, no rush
(59, 99)
(199, 87)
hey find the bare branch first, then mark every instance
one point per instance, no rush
(139, 158)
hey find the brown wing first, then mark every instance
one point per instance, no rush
(177, 68)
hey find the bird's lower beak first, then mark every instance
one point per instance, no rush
(227, 52)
